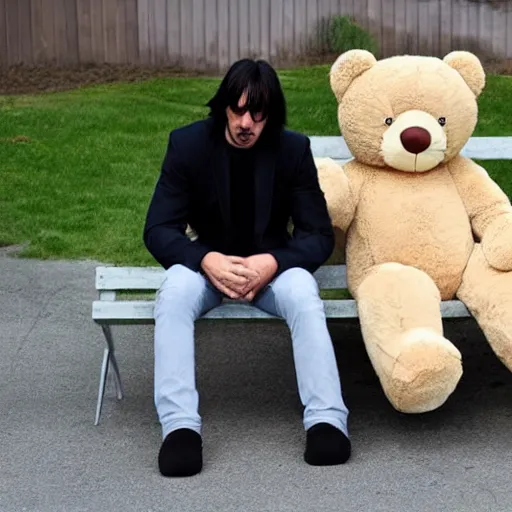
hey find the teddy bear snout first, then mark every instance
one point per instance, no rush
(415, 139)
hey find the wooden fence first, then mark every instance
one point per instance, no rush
(210, 34)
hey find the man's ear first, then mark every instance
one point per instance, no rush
(469, 67)
(347, 67)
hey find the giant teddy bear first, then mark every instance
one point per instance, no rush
(422, 223)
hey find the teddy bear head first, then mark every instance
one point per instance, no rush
(406, 112)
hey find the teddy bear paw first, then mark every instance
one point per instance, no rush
(425, 372)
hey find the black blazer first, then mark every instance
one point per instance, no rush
(193, 188)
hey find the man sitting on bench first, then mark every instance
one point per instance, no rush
(237, 178)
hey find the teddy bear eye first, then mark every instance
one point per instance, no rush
(389, 121)
(442, 121)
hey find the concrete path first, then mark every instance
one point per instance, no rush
(53, 459)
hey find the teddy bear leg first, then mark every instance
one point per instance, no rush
(399, 311)
(487, 293)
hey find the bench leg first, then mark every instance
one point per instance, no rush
(103, 378)
(109, 358)
(113, 361)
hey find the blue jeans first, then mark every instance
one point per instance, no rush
(185, 295)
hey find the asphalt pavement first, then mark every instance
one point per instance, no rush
(53, 458)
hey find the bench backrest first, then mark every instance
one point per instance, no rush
(478, 148)
(112, 279)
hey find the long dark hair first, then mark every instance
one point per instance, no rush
(264, 95)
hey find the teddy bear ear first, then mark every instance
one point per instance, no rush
(469, 67)
(347, 67)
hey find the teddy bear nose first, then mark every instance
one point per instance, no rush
(415, 139)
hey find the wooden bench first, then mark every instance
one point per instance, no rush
(111, 309)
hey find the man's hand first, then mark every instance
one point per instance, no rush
(229, 274)
(266, 266)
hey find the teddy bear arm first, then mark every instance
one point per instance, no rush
(345, 212)
(338, 192)
(489, 211)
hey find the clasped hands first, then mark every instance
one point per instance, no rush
(237, 277)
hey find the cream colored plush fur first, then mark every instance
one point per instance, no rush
(422, 223)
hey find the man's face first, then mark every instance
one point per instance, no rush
(243, 129)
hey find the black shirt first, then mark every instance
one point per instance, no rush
(241, 168)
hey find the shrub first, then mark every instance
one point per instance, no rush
(345, 34)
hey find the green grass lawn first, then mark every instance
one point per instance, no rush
(78, 168)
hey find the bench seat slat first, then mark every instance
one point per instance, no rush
(150, 278)
(480, 148)
(129, 278)
(120, 312)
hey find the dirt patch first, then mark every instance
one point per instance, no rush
(499, 67)
(19, 139)
(32, 80)
(29, 80)
(12, 250)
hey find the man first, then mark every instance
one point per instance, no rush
(237, 178)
